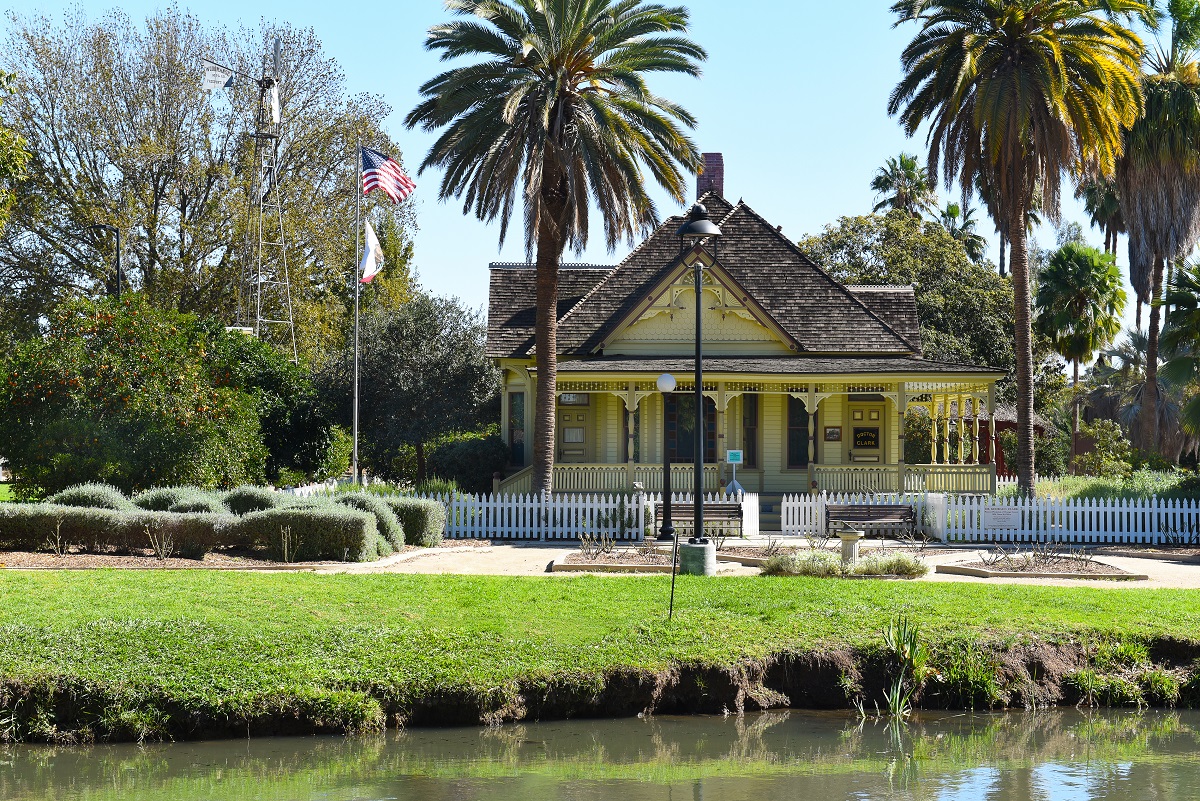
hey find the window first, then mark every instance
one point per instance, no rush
(574, 399)
(797, 433)
(573, 435)
(516, 428)
(681, 428)
(750, 430)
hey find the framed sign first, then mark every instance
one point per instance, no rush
(833, 433)
(733, 457)
(866, 437)
(1001, 517)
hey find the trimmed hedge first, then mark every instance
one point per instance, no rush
(161, 499)
(424, 521)
(45, 526)
(388, 523)
(316, 532)
(92, 496)
(247, 499)
(201, 503)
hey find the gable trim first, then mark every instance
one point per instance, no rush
(682, 266)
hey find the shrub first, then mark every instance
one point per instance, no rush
(804, 563)
(92, 496)
(201, 502)
(160, 499)
(437, 486)
(471, 462)
(247, 499)
(389, 525)
(424, 521)
(42, 526)
(318, 532)
(890, 564)
(1110, 452)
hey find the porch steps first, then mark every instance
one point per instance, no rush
(770, 511)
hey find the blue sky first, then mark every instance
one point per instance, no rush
(794, 94)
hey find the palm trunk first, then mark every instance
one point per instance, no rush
(1003, 242)
(420, 449)
(1149, 414)
(1019, 264)
(1075, 420)
(550, 244)
(1137, 319)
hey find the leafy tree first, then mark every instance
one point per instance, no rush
(959, 222)
(13, 156)
(423, 373)
(122, 133)
(1110, 452)
(1019, 91)
(1181, 339)
(1159, 183)
(1080, 301)
(555, 106)
(126, 394)
(905, 185)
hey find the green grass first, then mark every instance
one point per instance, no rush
(240, 644)
(1137, 485)
(6, 493)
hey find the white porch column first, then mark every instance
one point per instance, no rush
(962, 428)
(946, 430)
(933, 439)
(992, 431)
(976, 442)
(810, 405)
(901, 409)
(722, 402)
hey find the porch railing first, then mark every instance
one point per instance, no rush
(855, 478)
(973, 479)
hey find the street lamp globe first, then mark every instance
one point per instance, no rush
(665, 383)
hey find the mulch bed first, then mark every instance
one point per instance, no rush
(144, 559)
(1065, 567)
(625, 556)
(1149, 550)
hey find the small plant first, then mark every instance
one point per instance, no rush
(910, 658)
(56, 542)
(162, 540)
(890, 564)
(774, 547)
(593, 545)
(970, 675)
(1110, 655)
(289, 545)
(808, 563)
(1160, 687)
(1087, 683)
(646, 550)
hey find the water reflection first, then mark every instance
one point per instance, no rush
(1054, 755)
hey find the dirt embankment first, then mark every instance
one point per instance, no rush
(1029, 674)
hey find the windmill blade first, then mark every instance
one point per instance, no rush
(275, 110)
(277, 60)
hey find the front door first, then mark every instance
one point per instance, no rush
(574, 428)
(868, 433)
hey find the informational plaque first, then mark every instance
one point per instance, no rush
(733, 457)
(1001, 517)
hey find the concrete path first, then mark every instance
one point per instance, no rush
(535, 559)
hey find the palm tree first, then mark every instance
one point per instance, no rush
(1181, 339)
(1159, 182)
(905, 185)
(1079, 305)
(959, 222)
(1019, 91)
(991, 202)
(553, 108)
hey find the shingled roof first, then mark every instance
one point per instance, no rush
(821, 315)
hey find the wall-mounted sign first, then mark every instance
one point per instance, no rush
(733, 457)
(866, 437)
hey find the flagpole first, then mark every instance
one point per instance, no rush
(357, 285)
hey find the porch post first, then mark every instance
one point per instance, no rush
(810, 405)
(946, 430)
(504, 410)
(901, 408)
(722, 445)
(976, 442)
(992, 431)
(962, 427)
(933, 439)
(630, 408)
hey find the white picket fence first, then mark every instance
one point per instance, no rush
(1084, 521)
(804, 515)
(983, 518)
(566, 517)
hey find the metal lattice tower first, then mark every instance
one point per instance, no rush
(271, 287)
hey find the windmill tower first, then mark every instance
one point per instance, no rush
(265, 289)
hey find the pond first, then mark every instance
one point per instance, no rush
(1053, 755)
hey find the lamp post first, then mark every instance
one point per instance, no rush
(698, 228)
(666, 385)
(117, 231)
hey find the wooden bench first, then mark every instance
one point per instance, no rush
(723, 517)
(871, 518)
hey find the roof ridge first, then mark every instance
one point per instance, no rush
(820, 270)
(880, 287)
(571, 265)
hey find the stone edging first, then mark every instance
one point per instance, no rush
(561, 565)
(978, 572)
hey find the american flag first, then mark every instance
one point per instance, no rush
(381, 172)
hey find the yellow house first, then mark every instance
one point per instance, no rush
(809, 378)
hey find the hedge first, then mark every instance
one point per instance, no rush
(46, 526)
(247, 499)
(389, 524)
(180, 499)
(424, 521)
(92, 496)
(318, 532)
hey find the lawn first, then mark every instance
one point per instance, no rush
(6, 493)
(244, 646)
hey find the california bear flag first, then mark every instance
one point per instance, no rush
(372, 261)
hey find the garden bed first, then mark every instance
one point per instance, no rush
(1086, 570)
(623, 560)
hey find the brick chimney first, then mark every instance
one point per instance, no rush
(712, 175)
